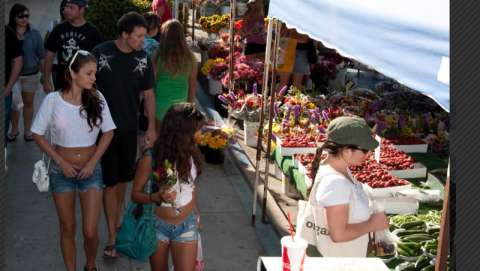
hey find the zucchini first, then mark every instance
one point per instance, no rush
(422, 262)
(403, 252)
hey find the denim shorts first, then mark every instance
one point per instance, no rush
(187, 231)
(59, 183)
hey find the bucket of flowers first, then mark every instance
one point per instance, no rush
(213, 141)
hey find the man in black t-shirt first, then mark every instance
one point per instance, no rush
(13, 67)
(66, 38)
(123, 72)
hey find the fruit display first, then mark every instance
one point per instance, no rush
(293, 141)
(377, 178)
(305, 159)
(394, 159)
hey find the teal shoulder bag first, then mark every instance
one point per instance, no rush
(137, 238)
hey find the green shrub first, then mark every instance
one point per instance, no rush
(104, 14)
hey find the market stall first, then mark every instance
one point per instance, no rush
(428, 77)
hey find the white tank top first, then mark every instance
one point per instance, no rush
(184, 190)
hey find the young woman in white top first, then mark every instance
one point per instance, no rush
(176, 211)
(73, 117)
(348, 216)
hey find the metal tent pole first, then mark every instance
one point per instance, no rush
(270, 123)
(262, 116)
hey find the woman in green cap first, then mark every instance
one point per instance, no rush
(348, 218)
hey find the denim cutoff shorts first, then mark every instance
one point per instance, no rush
(59, 183)
(187, 231)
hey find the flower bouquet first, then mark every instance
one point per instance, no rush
(166, 179)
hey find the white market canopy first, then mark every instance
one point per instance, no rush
(407, 40)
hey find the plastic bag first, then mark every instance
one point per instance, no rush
(382, 243)
(199, 263)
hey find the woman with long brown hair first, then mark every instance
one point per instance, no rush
(175, 69)
(176, 211)
(74, 116)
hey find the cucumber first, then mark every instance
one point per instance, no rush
(409, 232)
(422, 262)
(404, 251)
(428, 268)
(407, 266)
(413, 224)
(433, 230)
(417, 237)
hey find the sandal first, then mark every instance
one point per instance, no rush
(28, 138)
(91, 269)
(110, 252)
(12, 137)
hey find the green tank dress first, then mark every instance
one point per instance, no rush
(169, 90)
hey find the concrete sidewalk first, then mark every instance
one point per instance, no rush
(229, 242)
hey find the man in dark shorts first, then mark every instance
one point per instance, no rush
(124, 70)
(66, 38)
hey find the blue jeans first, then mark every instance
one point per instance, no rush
(187, 231)
(8, 115)
(59, 183)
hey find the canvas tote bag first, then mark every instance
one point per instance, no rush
(312, 226)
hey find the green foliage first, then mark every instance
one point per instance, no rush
(104, 14)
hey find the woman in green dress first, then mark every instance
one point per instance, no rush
(175, 69)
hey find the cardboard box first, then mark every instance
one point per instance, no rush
(398, 205)
(421, 148)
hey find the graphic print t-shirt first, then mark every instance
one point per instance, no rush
(120, 78)
(66, 39)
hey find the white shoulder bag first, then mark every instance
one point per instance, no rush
(312, 226)
(40, 175)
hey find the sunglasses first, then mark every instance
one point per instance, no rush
(23, 16)
(78, 52)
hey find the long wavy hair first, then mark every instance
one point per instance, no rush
(91, 104)
(173, 54)
(14, 11)
(176, 139)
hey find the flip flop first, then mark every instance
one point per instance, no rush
(28, 138)
(109, 252)
(12, 137)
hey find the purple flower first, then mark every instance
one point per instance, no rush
(321, 129)
(313, 116)
(223, 99)
(287, 113)
(380, 127)
(325, 115)
(255, 90)
(276, 109)
(232, 96)
(296, 112)
(401, 121)
(282, 91)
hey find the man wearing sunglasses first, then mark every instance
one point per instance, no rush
(66, 38)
